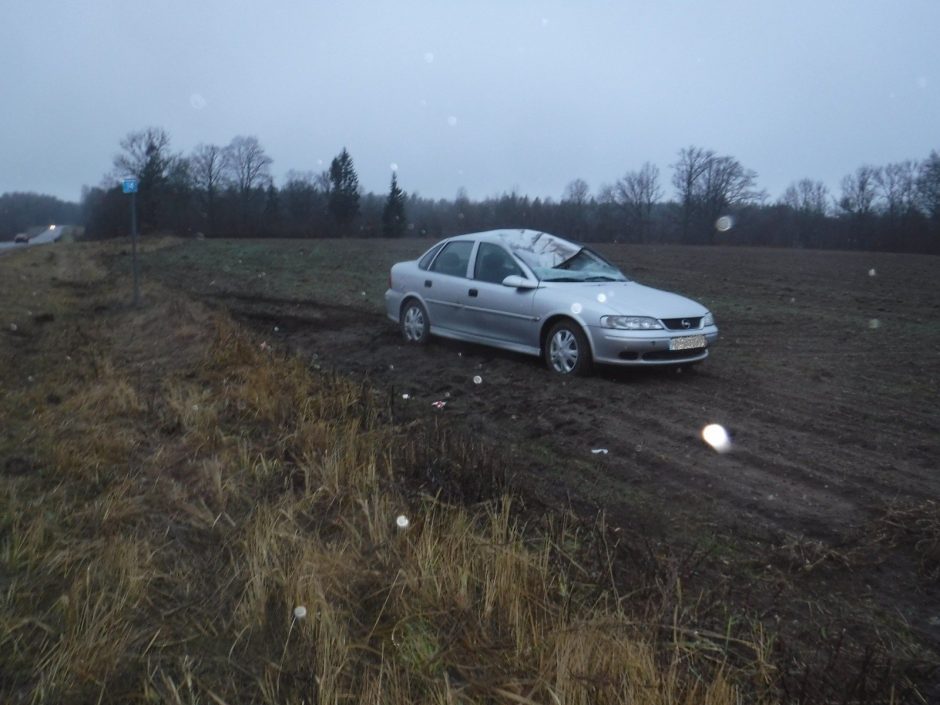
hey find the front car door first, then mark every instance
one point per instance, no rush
(496, 312)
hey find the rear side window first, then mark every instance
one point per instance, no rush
(453, 259)
(425, 261)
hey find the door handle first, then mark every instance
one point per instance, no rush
(474, 292)
(427, 283)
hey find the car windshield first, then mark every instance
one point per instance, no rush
(584, 266)
(554, 259)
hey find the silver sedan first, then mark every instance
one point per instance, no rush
(539, 294)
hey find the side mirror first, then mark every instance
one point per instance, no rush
(517, 282)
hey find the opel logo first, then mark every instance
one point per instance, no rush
(685, 323)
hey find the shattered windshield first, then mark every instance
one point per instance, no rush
(553, 259)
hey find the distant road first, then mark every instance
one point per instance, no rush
(50, 234)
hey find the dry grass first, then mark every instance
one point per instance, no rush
(180, 490)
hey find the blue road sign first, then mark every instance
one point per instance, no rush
(129, 185)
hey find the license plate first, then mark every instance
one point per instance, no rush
(689, 342)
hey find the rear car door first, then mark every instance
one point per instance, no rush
(445, 286)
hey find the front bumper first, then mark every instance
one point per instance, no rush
(627, 347)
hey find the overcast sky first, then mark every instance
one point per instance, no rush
(486, 95)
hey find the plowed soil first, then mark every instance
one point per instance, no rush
(826, 376)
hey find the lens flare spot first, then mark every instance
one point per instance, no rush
(874, 324)
(601, 298)
(576, 308)
(724, 223)
(716, 436)
(452, 121)
(393, 166)
(402, 522)
(477, 379)
(429, 57)
(197, 101)
(300, 612)
(872, 272)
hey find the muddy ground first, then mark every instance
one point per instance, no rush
(826, 376)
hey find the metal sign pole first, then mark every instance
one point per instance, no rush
(134, 248)
(129, 185)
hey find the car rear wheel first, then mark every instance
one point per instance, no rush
(415, 325)
(566, 350)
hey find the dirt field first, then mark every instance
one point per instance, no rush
(823, 518)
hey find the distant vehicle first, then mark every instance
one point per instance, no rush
(21, 237)
(540, 294)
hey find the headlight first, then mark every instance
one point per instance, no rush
(631, 323)
(709, 319)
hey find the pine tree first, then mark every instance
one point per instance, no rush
(393, 215)
(344, 189)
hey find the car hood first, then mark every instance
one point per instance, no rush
(623, 298)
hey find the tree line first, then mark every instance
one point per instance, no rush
(228, 191)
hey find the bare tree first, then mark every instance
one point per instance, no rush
(573, 208)
(637, 192)
(322, 181)
(709, 186)
(247, 165)
(859, 192)
(577, 192)
(808, 201)
(687, 173)
(727, 184)
(858, 206)
(928, 186)
(146, 155)
(247, 168)
(897, 186)
(808, 197)
(607, 194)
(207, 167)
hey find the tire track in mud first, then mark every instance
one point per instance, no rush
(804, 462)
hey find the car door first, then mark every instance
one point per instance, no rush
(445, 286)
(499, 313)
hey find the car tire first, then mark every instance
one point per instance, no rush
(415, 324)
(566, 350)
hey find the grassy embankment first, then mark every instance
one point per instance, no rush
(172, 491)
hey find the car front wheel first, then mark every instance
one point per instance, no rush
(415, 326)
(566, 350)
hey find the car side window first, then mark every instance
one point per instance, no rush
(494, 264)
(453, 259)
(426, 260)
